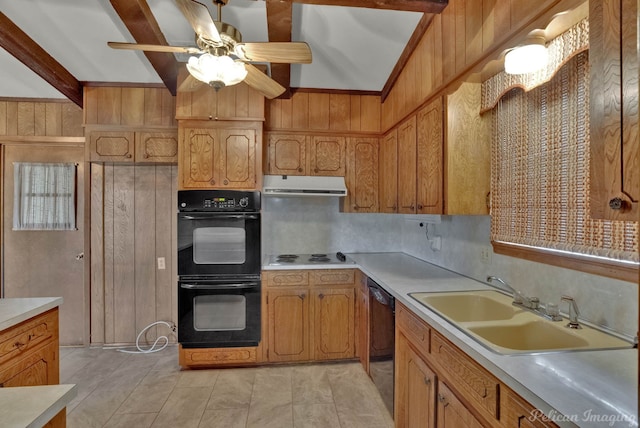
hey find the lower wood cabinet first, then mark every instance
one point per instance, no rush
(438, 385)
(29, 356)
(310, 315)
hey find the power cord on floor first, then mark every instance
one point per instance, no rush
(153, 348)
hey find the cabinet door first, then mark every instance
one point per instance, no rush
(111, 146)
(451, 412)
(415, 386)
(39, 368)
(199, 151)
(362, 176)
(156, 147)
(287, 154)
(407, 166)
(327, 156)
(521, 414)
(237, 159)
(334, 323)
(429, 159)
(289, 328)
(388, 172)
(613, 58)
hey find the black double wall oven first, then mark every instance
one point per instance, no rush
(219, 264)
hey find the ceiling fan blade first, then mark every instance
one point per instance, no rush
(154, 48)
(262, 83)
(200, 19)
(189, 84)
(278, 52)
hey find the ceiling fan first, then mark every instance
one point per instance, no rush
(224, 59)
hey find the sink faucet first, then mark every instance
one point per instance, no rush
(518, 298)
(573, 312)
(531, 304)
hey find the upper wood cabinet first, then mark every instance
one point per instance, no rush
(362, 176)
(300, 154)
(467, 158)
(613, 58)
(388, 172)
(140, 146)
(220, 155)
(420, 161)
(407, 166)
(429, 158)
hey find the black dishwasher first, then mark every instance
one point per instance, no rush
(382, 341)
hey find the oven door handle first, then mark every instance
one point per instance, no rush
(219, 216)
(219, 287)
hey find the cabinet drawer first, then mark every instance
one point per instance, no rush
(416, 330)
(286, 278)
(472, 381)
(333, 277)
(194, 357)
(28, 335)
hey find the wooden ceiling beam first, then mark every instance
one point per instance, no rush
(137, 17)
(27, 51)
(279, 25)
(425, 6)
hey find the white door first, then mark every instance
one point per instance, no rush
(46, 263)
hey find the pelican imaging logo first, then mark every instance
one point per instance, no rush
(589, 416)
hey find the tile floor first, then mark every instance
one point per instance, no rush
(126, 390)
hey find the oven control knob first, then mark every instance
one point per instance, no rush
(244, 202)
(183, 204)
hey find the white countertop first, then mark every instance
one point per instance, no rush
(586, 388)
(15, 310)
(33, 406)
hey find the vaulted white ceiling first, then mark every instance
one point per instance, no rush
(353, 48)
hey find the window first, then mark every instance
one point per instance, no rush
(540, 180)
(44, 196)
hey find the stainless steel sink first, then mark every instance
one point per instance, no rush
(489, 318)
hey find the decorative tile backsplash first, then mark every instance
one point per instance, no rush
(315, 224)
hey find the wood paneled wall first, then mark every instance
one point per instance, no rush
(460, 41)
(40, 118)
(133, 222)
(311, 111)
(129, 106)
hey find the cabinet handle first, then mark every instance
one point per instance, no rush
(128, 156)
(427, 380)
(420, 206)
(212, 181)
(299, 169)
(316, 170)
(413, 207)
(617, 204)
(226, 182)
(18, 344)
(355, 207)
(302, 296)
(146, 155)
(321, 296)
(442, 399)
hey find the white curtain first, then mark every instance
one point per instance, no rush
(44, 196)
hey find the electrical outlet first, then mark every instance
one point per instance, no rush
(436, 243)
(485, 255)
(161, 263)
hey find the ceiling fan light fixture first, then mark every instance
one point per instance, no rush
(217, 71)
(527, 58)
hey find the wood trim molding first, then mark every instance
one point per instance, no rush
(426, 6)
(592, 265)
(40, 139)
(336, 91)
(95, 84)
(27, 51)
(137, 17)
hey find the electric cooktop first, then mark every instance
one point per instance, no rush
(309, 259)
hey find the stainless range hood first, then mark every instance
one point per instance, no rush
(297, 185)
